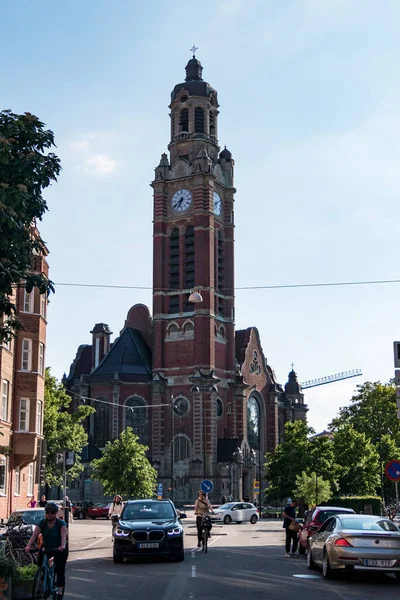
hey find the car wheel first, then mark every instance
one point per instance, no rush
(253, 519)
(81, 516)
(302, 550)
(310, 562)
(118, 558)
(227, 520)
(327, 572)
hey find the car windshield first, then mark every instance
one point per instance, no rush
(323, 515)
(227, 506)
(99, 505)
(147, 510)
(30, 517)
(359, 522)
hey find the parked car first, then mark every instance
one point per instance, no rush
(148, 528)
(79, 510)
(314, 520)
(237, 511)
(350, 541)
(396, 518)
(26, 516)
(99, 510)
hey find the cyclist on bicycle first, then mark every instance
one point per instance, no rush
(54, 532)
(202, 507)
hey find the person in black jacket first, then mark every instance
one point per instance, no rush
(289, 516)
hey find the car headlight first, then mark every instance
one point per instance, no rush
(175, 531)
(218, 514)
(121, 532)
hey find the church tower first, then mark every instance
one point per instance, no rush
(193, 343)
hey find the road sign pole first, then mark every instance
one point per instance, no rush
(396, 485)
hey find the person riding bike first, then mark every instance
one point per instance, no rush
(202, 507)
(54, 534)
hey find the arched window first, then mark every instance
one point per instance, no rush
(174, 270)
(189, 264)
(199, 120)
(212, 123)
(173, 328)
(222, 332)
(253, 422)
(181, 448)
(188, 327)
(101, 424)
(184, 120)
(135, 417)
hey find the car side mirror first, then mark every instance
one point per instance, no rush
(182, 516)
(314, 528)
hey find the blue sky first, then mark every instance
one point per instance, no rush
(310, 109)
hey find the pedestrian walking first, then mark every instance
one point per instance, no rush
(292, 528)
(42, 501)
(223, 499)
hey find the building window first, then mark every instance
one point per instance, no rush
(39, 417)
(29, 301)
(101, 424)
(189, 277)
(41, 359)
(5, 395)
(184, 120)
(181, 448)
(30, 479)
(3, 475)
(17, 481)
(43, 305)
(26, 362)
(199, 120)
(229, 408)
(24, 406)
(135, 417)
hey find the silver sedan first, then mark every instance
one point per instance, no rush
(236, 511)
(350, 541)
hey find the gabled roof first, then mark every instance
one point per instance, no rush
(128, 360)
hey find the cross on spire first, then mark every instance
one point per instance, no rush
(193, 49)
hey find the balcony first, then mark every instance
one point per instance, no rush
(24, 444)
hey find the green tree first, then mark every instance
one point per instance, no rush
(358, 462)
(311, 489)
(62, 429)
(124, 468)
(372, 412)
(26, 169)
(290, 458)
(300, 451)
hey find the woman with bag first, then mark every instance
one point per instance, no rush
(292, 529)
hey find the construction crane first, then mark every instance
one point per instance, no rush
(331, 378)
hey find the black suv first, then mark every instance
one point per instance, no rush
(148, 528)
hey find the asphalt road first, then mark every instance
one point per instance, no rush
(244, 562)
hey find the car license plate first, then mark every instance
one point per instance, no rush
(149, 545)
(379, 563)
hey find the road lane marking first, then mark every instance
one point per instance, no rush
(193, 571)
(96, 542)
(193, 553)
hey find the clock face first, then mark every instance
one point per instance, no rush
(217, 204)
(181, 406)
(181, 200)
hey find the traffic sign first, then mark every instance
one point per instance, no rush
(159, 489)
(392, 470)
(256, 486)
(206, 486)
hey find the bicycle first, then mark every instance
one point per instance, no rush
(44, 583)
(205, 531)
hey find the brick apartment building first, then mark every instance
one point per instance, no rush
(22, 376)
(199, 394)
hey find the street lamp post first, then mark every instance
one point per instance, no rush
(172, 448)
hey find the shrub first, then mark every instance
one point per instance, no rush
(357, 503)
(26, 572)
(8, 567)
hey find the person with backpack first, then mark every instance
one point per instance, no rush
(54, 534)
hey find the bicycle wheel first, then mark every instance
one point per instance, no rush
(21, 557)
(205, 539)
(38, 592)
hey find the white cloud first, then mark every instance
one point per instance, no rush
(90, 155)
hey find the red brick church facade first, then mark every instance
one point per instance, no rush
(199, 394)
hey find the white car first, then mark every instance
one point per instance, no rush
(396, 519)
(236, 511)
